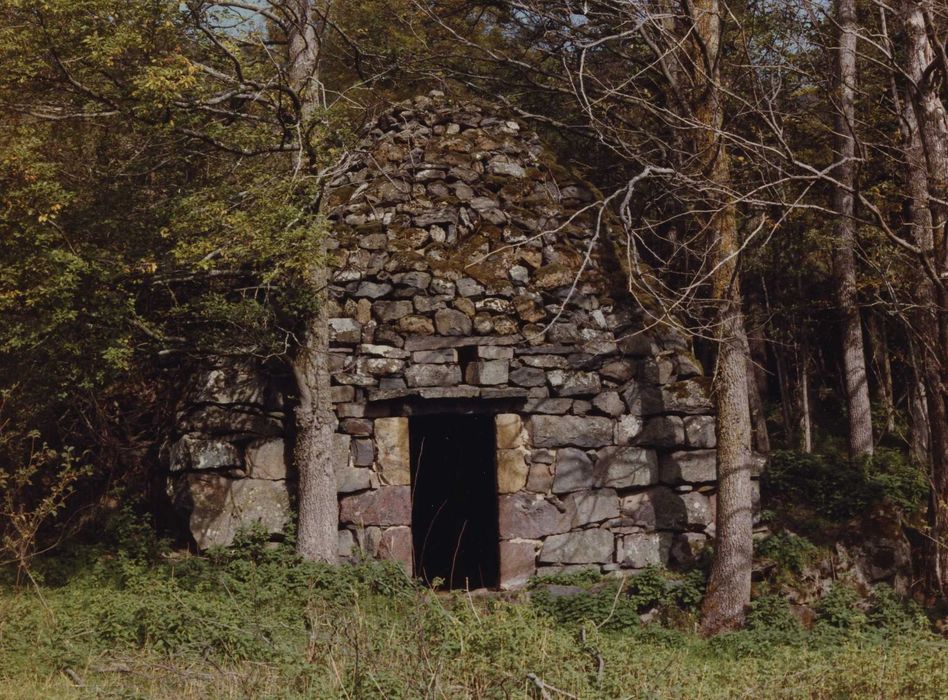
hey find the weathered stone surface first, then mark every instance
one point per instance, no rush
(379, 366)
(451, 322)
(689, 396)
(512, 470)
(686, 549)
(641, 549)
(622, 467)
(350, 479)
(528, 376)
(573, 471)
(266, 459)
(610, 403)
(433, 375)
(437, 357)
(540, 477)
(663, 431)
(200, 453)
(567, 383)
(530, 517)
(392, 310)
(341, 451)
(547, 405)
(697, 509)
(699, 431)
(233, 383)
(557, 431)
(385, 506)
(592, 506)
(346, 544)
(518, 563)
(583, 547)
(658, 370)
(372, 290)
(619, 371)
(694, 466)
(217, 506)
(227, 420)
(419, 325)
(392, 450)
(487, 372)
(363, 453)
(509, 430)
(356, 426)
(388, 351)
(395, 545)
(627, 429)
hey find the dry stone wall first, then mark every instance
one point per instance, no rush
(473, 274)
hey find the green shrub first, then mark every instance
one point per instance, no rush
(840, 609)
(790, 553)
(892, 613)
(836, 488)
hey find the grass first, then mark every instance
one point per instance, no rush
(256, 623)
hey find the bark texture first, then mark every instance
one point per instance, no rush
(854, 358)
(317, 537)
(729, 587)
(925, 131)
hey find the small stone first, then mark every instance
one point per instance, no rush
(468, 287)
(494, 352)
(697, 509)
(627, 429)
(519, 274)
(699, 431)
(345, 330)
(466, 307)
(451, 322)
(356, 426)
(574, 383)
(609, 403)
(440, 356)
(372, 290)
(392, 310)
(416, 325)
(540, 477)
(363, 453)
(504, 169)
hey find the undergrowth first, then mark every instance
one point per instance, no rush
(132, 621)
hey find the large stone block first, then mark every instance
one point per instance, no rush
(199, 453)
(512, 470)
(641, 549)
(689, 396)
(392, 310)
(510, 432)
(433, 375)
(693, 466)
(384, 506)
(583, 547)
(573, 471)
(392, 450)
(622, 467)
(395, 545)
(518, 563)
(663, 431)
(658, 508)
(592, 506)
(266, 459)
(217, 506)
(609, 403)
(487, 372)
(352, 479)
(523, 515)
(233, 383)
(528, 376)
(697, 509)
(567, 383)
(345, 330)
(579, 431)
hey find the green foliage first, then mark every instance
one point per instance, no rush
(841, 609)
(894, 614)
(772, 612)
(614, 604)
(789, 553)
(837, 489)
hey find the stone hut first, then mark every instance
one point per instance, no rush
(501, 411)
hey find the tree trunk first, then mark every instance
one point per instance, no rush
(806, 418)
(854, 359)
(317, 532)
(882, 368)
(926, 150)
(729, 586)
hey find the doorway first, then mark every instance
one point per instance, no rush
(454, 500)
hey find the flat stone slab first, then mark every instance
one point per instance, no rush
(583, 547)
(578, 431)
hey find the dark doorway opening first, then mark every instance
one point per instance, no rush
(454, 500)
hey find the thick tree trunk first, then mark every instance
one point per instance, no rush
(729, 586)
(317, 532)
(854, 359)
(926, 149)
